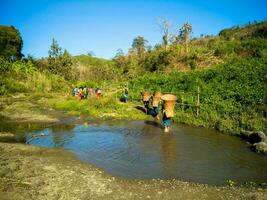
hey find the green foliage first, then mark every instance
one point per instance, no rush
(184, 34)
(88, 84)
(55, 51)
(22, 76)
(104, 107)
(59, 62)
(232, 89)
(95, 69)
(233, 95)
(139, 45)
(156, 60)
(183, 54)
(10, 86)
(16, 67)
(255, 47)
(10, 43)
(255, 30)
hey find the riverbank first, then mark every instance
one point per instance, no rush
(29, 172)
(25, 108)
(40, 107)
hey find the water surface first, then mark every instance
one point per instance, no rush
(140, 149)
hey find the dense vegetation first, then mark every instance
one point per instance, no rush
(232, 95)
(10, 43)
(24, 76)
(229, 69)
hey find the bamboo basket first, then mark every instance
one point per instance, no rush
(146, 96)
(169, 101)
(156, 99)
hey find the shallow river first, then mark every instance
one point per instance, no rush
(140, 149)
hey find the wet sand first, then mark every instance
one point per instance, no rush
(29, 172)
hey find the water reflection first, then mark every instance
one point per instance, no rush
(62, 134)
(169, 151)
(140, 149)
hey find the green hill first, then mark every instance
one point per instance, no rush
(95, 69)
(230, 70)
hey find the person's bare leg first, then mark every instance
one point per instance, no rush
(166, 130)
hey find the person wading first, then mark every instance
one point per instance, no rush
(155, 103)
(146, 98)
(169, 102)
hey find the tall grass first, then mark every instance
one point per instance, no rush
(23, 76)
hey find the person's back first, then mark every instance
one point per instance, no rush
(126, 90)
(85, 92)
(91, 91)
(76, 91)
(126, 93)
(98, 92)
(80, 94)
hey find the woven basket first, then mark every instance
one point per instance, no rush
(146, 96)
(169, 101)
(156, 99)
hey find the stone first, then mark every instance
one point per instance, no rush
(261, 147)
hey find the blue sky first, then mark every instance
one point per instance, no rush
(103, 26)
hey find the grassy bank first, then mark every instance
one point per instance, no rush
(105, 107)
(232, 95)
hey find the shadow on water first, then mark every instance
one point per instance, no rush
(153, 123)
(140, 149)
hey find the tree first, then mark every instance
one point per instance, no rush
(139, 45)
(91, 53)
(119, 53)
(164, 27)
(184, 34)
(55, 51)
(66, 63)
(10, 43)
(59, 62)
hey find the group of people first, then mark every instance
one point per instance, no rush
(84, 92)
(167, 103)
(152, 103)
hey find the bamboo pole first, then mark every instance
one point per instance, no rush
(182, 102)
(198, 103)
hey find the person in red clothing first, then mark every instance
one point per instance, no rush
(98, 92)
(80, 94)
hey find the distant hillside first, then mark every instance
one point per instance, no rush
(256, 30)
(203, 52)
(92, 61)
(96, 69)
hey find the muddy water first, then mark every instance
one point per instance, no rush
(140, 149)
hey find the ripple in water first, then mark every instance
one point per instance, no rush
(140, 149)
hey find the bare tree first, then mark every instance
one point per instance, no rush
(165, 26)
(184, 34)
